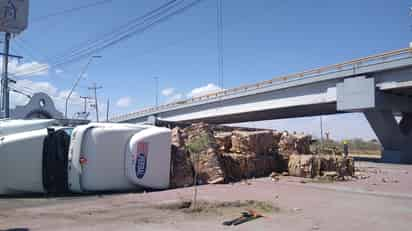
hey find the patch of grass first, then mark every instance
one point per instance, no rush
(323, 180)
(216, 207)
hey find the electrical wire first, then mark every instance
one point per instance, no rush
(28, 95)
(115, 31)
(87, 45)
(70, 10)
(118, 36)
(108, 42)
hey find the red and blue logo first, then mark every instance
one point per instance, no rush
(141, 159)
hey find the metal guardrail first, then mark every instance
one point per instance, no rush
(349, 65)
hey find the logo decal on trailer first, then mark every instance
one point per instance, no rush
(141, 159)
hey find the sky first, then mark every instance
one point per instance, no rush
(262, 39)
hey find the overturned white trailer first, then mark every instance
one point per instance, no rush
(21, 147)
(88, 158)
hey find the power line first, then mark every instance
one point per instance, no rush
(108, 42)
(119, 29)
(71, 10)
(115, 38)
(20, 92)
(99, 39)
(25, 45)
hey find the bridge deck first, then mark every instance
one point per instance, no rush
(380, 62)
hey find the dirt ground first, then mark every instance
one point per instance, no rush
(381, 199)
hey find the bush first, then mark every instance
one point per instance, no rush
(356, 144)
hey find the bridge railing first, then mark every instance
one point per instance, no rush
(353, 64)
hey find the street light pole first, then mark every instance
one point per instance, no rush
(77, 82)
(157, 90)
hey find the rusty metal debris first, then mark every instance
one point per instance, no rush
(246, 216)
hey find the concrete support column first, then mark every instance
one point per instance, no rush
(395, 138)
(151, 120)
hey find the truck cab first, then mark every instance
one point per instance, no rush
(118, 157)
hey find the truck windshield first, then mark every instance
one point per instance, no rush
(69, 131)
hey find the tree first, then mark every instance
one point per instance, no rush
(195, 146)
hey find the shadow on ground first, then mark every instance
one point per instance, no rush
(16, 229)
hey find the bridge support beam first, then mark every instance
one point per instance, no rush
(359, 94)
(152, 120)
(396, 138)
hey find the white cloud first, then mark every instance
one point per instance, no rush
(124, 102)
(174, 97)
(168, 92)
(58, 71)
(210, 88)
(29, 68)
(31, 86)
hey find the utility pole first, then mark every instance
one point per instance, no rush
(85, 100)
(321, 131)
(5, 104)
(107, 110)
(157, 91)
(96, 103)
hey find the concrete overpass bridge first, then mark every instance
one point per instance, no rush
(380, 86)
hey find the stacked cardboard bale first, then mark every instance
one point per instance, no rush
(276, 139)
(304, 165)
(301, 162)
(253, 154)
(235, 154)
(177, 139)
(302, 143)
(311, 166)
(240, 166)
(181, 174)
(207, 162)
(224, 141)
(294, 143)
(287, 144)
(252, 142)
(343, 166)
